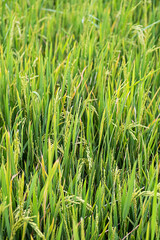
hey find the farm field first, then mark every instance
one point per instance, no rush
(80, 119)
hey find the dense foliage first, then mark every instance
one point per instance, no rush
(79, 119)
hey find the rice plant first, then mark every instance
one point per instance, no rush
(79, 119)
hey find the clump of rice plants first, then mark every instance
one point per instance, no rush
(79, 119)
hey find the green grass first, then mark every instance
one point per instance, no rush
(79, 119)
